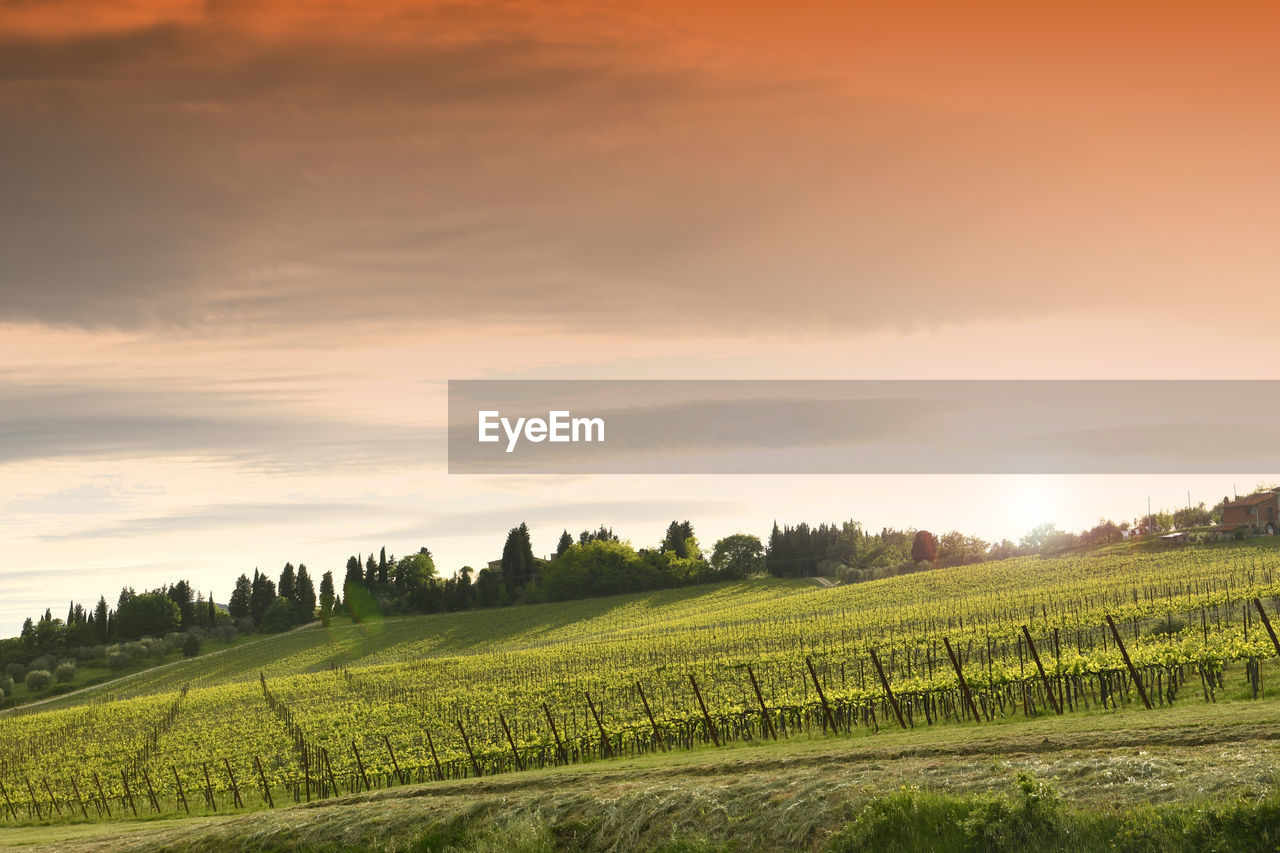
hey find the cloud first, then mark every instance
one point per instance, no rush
(231, 169)
(572, 515)
(225, 516)
(123, 423)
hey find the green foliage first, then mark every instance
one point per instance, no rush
(360, 603)
(905, 820)
(191, 645)
(38, 679)
(279, 615)
(147, 614)
(64, 672)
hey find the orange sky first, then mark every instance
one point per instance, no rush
(242, 247)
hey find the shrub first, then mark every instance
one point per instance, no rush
(65, 672)
(46, 662)
(135, 650)
(191, 647)
(6, 685)
(38, 679)
(118, 660)
(16, 671)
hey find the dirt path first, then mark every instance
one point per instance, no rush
(106, 685)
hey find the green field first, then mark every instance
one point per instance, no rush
(652, 696)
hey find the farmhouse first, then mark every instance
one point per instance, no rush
(1255, 514)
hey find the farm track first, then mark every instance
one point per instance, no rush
(115, 683)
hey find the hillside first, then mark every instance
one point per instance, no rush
(658, 682)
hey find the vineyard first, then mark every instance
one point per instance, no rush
(322, 712)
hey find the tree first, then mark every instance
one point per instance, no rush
(279, 615)
(676, 539)
(148, 614)
(956, 549)
(565, 541)
(326, 598)
(518, 566)
(181, 594)
(191, 646)
(353, 576)
(370, 572)
(738, 556)
(238, 606)
(924, 548)
(413, 574)
(1192, 516)
(604, 534)
(100, 620)
(304, 597)
(382, 567)
(262, 593)
(288, 587)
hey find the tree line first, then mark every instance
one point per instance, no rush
(593, 563)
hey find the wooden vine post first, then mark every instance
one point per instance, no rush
(431, 743)
(395, 764)
(333, 783)
(182, 795)
(35, 803)
(475, 765)
(208, 787)
(1142, 691)
(79, 799)
(1048, 688)
(1266, 623)
(964, 685)
(764, 710)
(360, 766)
(266, 789)
(604, 738)
(711, 726)
(657, 734)
(235, 788)
(893, 702)
(101, 795)
(822, 697)
(48, 790)
(515, 753)
(151, 792)
(128, 794)
(8, 804)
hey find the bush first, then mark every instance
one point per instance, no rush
(6, 685)
(45, 662)
(38, 679)
(118, 660)
(16, 671)
(65, 672)
(135, 650)
(191, 647)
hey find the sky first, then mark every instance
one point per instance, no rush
(244, 246)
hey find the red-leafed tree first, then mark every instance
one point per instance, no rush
(924, 548)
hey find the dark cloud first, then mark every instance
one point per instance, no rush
(460, 163)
